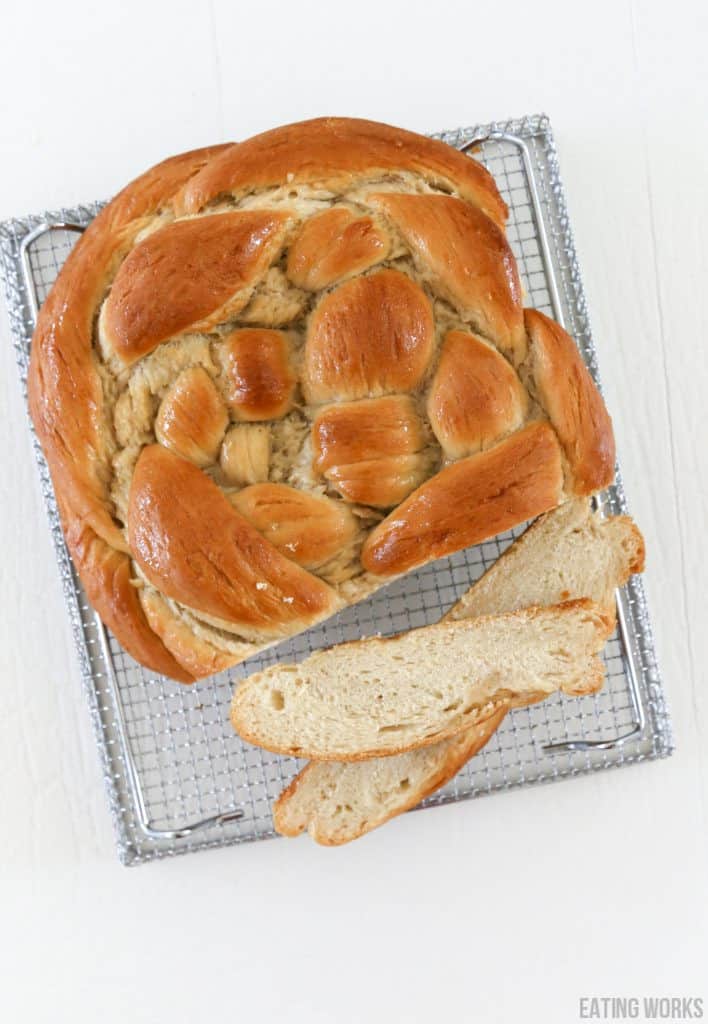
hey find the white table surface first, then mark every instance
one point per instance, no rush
(504, 909)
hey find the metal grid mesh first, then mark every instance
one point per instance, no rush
(188, 763)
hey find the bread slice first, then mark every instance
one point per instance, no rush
(386, 696)
(568, 553)
(338, 802)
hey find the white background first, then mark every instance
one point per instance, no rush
(505, 909)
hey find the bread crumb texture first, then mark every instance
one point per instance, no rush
(379, 696)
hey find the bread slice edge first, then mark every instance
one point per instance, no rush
(585, 666)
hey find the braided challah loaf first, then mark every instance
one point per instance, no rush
(273, 375)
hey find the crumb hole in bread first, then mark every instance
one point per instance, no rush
(277, 700)
(404, 784)
(452, 707)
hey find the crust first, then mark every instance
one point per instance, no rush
(638, 558)
(188, 275)
(63, 376)
(106, 575)
(370, 336)
(333, 246)
(259, 378)
(192, 418)
(194, 547)
(196, 656)
(469, 501)
(469, 260)
(333, 152)
(309, 529)
(575, 407)
(370, 451)
(66, 383)
(475, 398)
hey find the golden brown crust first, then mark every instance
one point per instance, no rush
(469, 501)
(63, 376)
(468, 260)
(188, 276)
(194, 547)
(381, 482)
(475, 398)
(334, 245)
(355, 431)
(245, 454)
(138, 278)
(575, 407)
(636, 545)
(196, 656)
(66, 401)
(333, 152)
(371, 336)
(192, 418)
(154, 191)
(369, 450)
(306, 528)
(63, 373)
(260, 382)
(106, 575)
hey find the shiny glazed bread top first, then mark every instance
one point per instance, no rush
(275, 374)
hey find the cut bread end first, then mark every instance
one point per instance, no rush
(568, 553)
(379, 696)
(337, 803)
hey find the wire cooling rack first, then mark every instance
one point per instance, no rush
(178, 779)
